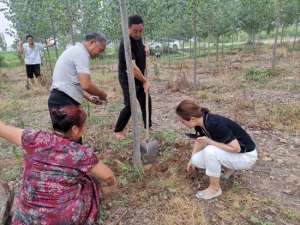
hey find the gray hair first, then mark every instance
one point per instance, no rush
(100, 37)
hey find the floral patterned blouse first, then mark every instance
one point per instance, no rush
(56, 188)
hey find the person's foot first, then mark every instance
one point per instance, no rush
(120, 135)
(208, 194)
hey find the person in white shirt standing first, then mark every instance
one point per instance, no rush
(31, 52)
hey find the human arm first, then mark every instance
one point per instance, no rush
(139, 75)
(198, 146)
(93, 99)
(11, 134)
(88, 86)
(233, 146)
(104, 173)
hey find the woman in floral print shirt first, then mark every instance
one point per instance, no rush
(59, 185)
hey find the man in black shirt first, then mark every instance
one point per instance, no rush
(142, 84)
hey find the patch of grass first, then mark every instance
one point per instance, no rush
(167, 137)
(256, 221)
(260, 75)
(121, 144)
(13, 173)
(289, 214)
(286, 115)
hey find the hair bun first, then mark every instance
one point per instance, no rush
(58, 114)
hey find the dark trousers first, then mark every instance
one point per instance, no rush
(126, 111)
(58, 100)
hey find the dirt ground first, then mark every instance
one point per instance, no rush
(269, 109)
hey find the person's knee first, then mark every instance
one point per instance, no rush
(197, 160)
(210, 152)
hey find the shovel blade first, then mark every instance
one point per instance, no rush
(149, 151)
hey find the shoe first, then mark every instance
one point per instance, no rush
(202, 195)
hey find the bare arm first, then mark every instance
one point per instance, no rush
(233, 146)
(11, 134)
(88, 86)
(21, 48)
(104, 173)
(138, 74)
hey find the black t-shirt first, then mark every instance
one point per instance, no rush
(224, 130)
(138, 54)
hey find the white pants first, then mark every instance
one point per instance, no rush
(211, 158)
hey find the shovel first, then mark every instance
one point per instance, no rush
(149, 149)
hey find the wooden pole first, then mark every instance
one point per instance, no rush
(137, 163)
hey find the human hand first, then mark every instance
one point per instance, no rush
(146, 86)
(96, 100)
(189, 167)
(147, 50)
(203, 140)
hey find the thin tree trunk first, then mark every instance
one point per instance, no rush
(282, 34)
(195, 45)
(54, 37)
(296, 35)
(137, 163)
(275, 43)
(183, 48)
(190, 48)
(231, 46)
(217, 52)
(169, 55)
(49, 58)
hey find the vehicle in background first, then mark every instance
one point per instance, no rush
(163, 46)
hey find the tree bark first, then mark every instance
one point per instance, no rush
(275, 43)
(282, 34)
(137, 163)
(195, 45)
(296, 35)
(217, 52)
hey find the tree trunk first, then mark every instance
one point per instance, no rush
(183, 48)
(54, 37)
(275, 43)
(49, 59)
(190, 48)
(296, 35)
(282, 34)
(208, 57)
(195, 45)
(231, 46)
(217, 52)
(6, 203)
(137, 163)
(169, 55)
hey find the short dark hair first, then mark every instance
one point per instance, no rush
(95, 36)
(28, 36)
(63, 119)
(135, 19)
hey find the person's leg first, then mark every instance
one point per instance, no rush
(29, 74)
(141, 97)
(37, 73)
(125, 113)
(214, 159)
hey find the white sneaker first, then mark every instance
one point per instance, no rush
(201, 195)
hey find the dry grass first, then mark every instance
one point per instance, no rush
(180, 210)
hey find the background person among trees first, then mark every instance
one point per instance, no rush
(59, 185)
(142, 84)
(31, 52)
(222, 143)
